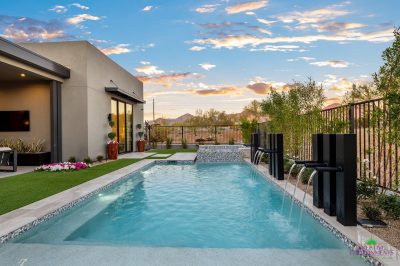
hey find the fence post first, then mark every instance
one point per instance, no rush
(182, 134)
(351, 118)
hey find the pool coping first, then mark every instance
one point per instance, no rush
(353, 236)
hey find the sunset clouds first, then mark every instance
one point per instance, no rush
(245, 6)
(212, 53)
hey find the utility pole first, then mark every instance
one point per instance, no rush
(154, 119)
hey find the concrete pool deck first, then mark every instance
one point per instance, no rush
(43, 254)
(80, 255)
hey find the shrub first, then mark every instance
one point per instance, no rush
(100, 158)
(306, 175)
(72, 159)
(247, 128)
(366, 189)
(88, 160)
(111, 135)
(231, 142)
(371, 211)
(169, 143)
(200, 141)
(390, 204)
(184, 144)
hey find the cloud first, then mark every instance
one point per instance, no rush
(197, 48)
(260, 88)
(266, 22)
(263, 87)
(59, 9)
(148, 8)
(245, 6)
(149, 70)
(118, 49)
(31, 30)
(339, 26)
(207, 66)
(206, 8)
(219, 91)
(80, 6)
(240, 41)
(75, 20)
(313, 16)
(303, 58)
(277, 48)
(165, 80)
(145, 62)
(332, 63)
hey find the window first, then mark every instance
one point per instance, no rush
(122, 115)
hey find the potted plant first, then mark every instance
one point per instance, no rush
(140, 143)
(112, 145)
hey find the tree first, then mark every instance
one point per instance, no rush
(291, 113)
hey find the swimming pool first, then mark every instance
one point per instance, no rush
(201, 206)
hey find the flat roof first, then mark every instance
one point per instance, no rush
(23, 55)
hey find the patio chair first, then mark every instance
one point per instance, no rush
(8, 159)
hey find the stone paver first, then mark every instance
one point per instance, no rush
(183, 156)
(20, 170)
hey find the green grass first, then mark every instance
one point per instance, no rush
(21, 190)
(171, 151)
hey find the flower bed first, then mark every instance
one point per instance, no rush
(67, 166)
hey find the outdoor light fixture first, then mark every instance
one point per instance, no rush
(22, 75)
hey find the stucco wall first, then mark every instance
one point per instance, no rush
(73, 94)
(31, 96)
(101, 69)
(85, 104)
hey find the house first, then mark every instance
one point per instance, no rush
(63, 93)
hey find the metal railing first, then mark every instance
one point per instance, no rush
(213, 134)
(377, 156)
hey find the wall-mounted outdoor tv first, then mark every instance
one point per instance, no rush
(13, 121)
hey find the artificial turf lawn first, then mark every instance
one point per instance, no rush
(21, 190)
(172, 151)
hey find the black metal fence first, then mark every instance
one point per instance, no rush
(377, 156)
(214, 134)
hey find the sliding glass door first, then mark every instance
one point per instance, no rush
(122, 114)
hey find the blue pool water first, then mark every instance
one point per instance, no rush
(198, 206)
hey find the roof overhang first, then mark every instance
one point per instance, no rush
(27, 57)
(124, 94)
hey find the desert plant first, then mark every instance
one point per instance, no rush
(247, 128)
(367, 187)
(140, 134)
(111, 135)
(100, 158)
(72, 159)
(231, 141)
(371, 211)
(23, 146)
(184, 144)
(169, 143)
(88, 160)
(390, 204)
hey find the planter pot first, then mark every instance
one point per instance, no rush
(112, 151)
(140, 145)
(33, 159)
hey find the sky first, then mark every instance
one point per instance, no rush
(221, 54)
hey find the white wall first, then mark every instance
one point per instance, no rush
(85, 104)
